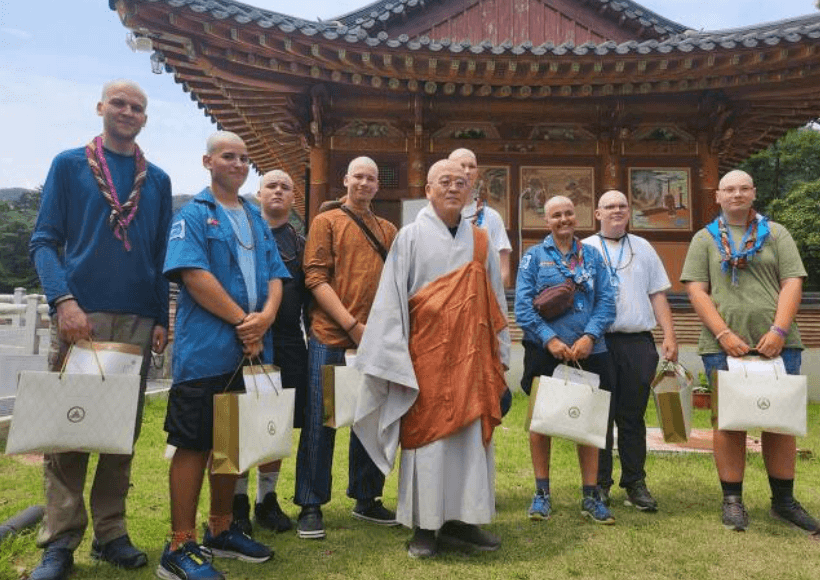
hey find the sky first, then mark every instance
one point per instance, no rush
(55, 55)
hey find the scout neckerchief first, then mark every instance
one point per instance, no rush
(614, 279)
(121, 214)
(574, 269)
(757, 232)
(478, 217)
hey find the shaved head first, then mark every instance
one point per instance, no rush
(462, 152)
(556, 200)
(275, 175)
(736, 175)
(362, 162)
(442, 165)
(612, 196)
(120, 83)
(219, 138)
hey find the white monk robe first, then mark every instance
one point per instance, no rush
(451, 478)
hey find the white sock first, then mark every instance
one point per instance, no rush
(241, 487)
(265, 484)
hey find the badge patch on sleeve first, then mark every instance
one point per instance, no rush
(177, 230)
(525, 261)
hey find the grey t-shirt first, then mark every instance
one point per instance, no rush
(749, 307)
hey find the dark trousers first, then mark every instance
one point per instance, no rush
(314, 459)
(635, 360)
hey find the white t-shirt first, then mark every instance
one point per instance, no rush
(640, 273)
(492, 223)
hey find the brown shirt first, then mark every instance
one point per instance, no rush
(338, 253)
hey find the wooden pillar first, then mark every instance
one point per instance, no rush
(319, 186)
(709, 177)
(416, 174)
(613, 173)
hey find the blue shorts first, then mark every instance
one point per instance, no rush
(792, 359)
(189, 419)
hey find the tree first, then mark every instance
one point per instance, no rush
(799, 212)
(16, 225)
(794, 158)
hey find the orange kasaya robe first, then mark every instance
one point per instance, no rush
(454, 325)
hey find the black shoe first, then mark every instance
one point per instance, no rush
(242, 514)
(120, 552)
(734, 517)
(270, 516)
(373, 511)
(422, 544)
(310, 525)
(55, 565)
(638, 496)
(793, 513)
(468, 537)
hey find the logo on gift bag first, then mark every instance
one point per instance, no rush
(271, 428)
(75, 414)
(763, 403)
(574, 412)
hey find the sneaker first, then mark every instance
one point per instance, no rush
(541, 507)
(186, 563)
(309, 524)
(242, 514)
(55, 565)
(603, 493)
(270, 516)
(735, 517)
(372, 510)
(639, 497)
(793, 513)
(469, 537)
(422, 544)
(593, 508)
(234, 544)
(120, 552)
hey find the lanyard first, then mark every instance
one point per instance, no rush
(613, 270)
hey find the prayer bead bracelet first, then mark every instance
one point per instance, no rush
(777, 330)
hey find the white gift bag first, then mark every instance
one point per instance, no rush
(56, 412)
(341, 386)
(569, 405)
(759, 395)
(255, 427)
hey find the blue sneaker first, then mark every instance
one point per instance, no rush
(55, 565)
(541, 506)
(234, 544)
(593, 508)
(186, 563)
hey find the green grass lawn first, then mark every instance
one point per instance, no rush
(684, 540)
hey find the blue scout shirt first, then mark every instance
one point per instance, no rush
(75, 251)
(592, 313)
(201, 237)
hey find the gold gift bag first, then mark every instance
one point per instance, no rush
(672, 392)
(340, 392)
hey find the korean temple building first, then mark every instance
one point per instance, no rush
(570, 97)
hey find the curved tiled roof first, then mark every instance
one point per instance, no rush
(758, 35)
(385, 10)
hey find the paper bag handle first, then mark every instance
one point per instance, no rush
(276, 390)
(93, 352)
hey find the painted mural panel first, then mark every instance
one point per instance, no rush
(660, 198)
(541, 183)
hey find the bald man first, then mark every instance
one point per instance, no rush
(438, 321)
(640, 282)
(479, 213)
(276, 195)
(98, 246)
(222, 254)
(344, 257)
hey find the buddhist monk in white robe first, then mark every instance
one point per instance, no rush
(433, 357)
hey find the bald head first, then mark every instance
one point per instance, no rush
(462, 152)
(362, 162)
(221, 138)
(613, 196)
(613, 213)
(441, 166)
(469, 164)
(276, 175)
(736, 176)
(112, 86)
(447, 190)
(556, 200)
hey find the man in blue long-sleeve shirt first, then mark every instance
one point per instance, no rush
(99, 247)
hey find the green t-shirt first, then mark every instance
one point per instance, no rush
(748, 308)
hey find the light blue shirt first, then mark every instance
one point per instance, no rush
(244, 250)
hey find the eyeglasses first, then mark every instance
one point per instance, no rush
(742, 189)
(615, 207)
(446, 183)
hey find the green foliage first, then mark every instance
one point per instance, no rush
(799, 212)
(794, 158)
(16, 225)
